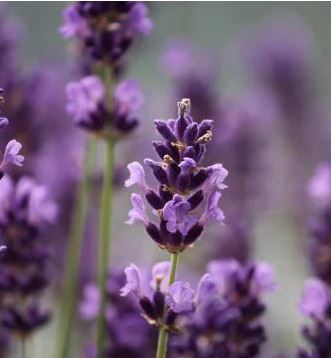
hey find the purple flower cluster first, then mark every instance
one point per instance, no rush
(161, 304)
(183, 183)
(24, 271)
(319, 244)
(227, 320)
(105, 30)
(316, 305)
(87, 104)
(128, 333)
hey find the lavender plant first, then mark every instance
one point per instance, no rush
(184, 185)
(26, 210)
(104, 31)
(221, 319)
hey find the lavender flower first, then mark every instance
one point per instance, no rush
(161, 305)
(128, 334)
(280, 55)
(315, 304)
(105, 30)
(184, 184)
(227, 319)
(24, 272)
(88, 106)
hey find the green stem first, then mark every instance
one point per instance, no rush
(162, 343)
(23, 346)
(74, 251)
(104, 241)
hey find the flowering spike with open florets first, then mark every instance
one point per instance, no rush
(188, 193)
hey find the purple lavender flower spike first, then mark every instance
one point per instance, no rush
(24, 271)
(226, 321)
(105, 31)
(11, 155)
(183, 183)
(133, 279)
(180, 297)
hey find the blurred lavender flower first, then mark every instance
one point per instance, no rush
(319, 244)
(128, 334)
(195, 76)
(105, 30)
(227, 319)
(316, 304)
(88, 107)
(25, 211)
(280, 55)
(183, 183)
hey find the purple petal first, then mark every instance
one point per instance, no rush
(133, 281)
(180, 297)
(315, 298)
(160, 274)
(137, 175)
(206, 288)
(137, 213)
(11, 155)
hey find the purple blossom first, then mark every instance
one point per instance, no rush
(183, 183)
(137, 213)
(84, 99)
(212, 210)
(207, 288)
(177, 216)
(137, 175)
(133, 281)
(74, 25)
(24, 271)
(264, 278)
(138, 19)
(180, 297)
(315, 298)
(11, 155)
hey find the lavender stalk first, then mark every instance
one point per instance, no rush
(75, 245)
(163, 333)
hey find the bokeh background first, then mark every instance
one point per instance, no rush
(217, 29)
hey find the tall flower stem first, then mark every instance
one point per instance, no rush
(162, 343)
(104, 240)
(74, 251)
(23, 347)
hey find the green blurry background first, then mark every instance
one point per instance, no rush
(210, 25)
